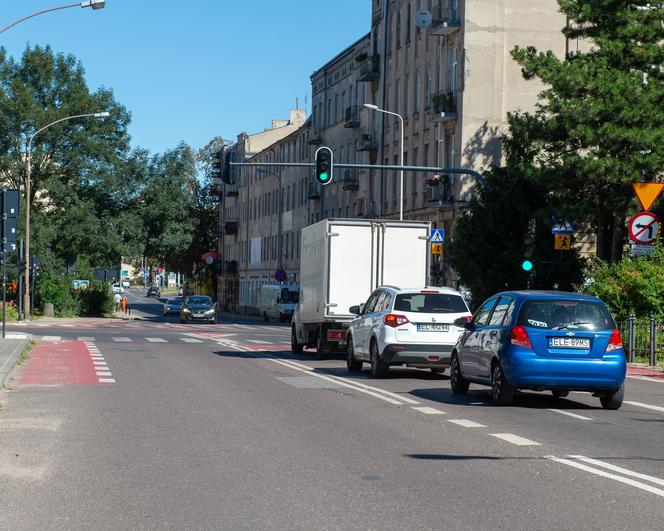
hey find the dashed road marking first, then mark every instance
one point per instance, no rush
(156, 340)
(51, 338)
(429, 410)
(190, 340)
(573, 415)
(258, 342)
(645, 406)
(515, 439)
(85, 338)
(467, 423)
(122, 339)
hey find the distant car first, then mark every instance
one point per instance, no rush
(180, 290)
(412, 327)
(153, 291)
(173, 306)
(541, 340)
(117, 288)
(198, 308)
(125, 284)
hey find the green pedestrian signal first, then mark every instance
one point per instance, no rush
(323, 171)
(526, 265)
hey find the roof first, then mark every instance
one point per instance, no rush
(345, 51)
(543, 294)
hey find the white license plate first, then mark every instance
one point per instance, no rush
(199, 315)
(569, 342)
(432, 327)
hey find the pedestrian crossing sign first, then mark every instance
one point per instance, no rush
(563, 242)
(436, 248)
(437, 236)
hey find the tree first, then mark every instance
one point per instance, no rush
(599, 124)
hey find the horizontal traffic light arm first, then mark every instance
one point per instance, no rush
(462, 171)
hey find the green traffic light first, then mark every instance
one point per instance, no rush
(526, 265)
(324, 176)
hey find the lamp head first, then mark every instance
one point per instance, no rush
(103, 114)
(94, 4)
(371, 106)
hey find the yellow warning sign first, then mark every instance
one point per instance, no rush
(436, 248)
(647, 193)
(562, 242)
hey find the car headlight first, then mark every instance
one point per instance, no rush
(210, 311)
(186, 310)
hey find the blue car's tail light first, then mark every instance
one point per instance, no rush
(519, 337)
(615, 341)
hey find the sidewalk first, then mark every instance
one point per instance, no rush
(10, 349)
(656, 373)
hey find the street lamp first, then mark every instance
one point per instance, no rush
(94, 4)
(376, 108)
(26, 297)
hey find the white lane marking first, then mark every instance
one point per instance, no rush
(85, 339)
(106, 380)
(156, 340)
(16, 336)
(646, 379)
(466, 423)
(51, 338)
(104, 373)
(615, 468)
(122, 340)
(429, 410)
(99, 362)
(573, 415)
(477, 403)
(258, 342)
(190, 340)
(338, 381)
(515, 439)
(600, 472)
(646, 406)
(356, 383)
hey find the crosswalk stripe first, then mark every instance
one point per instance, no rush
(122, 340)
(156, 340)
(190, 340)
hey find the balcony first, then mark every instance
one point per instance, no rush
(350, 180)
(315, 138)
(352, 117)
(367, 142)
(369, 69)
(230, 227)
(314, 190)
(444, 106)
(447, 25)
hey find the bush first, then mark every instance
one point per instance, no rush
(631, 286)
(12, 312)
(96, 300)
(57, 290)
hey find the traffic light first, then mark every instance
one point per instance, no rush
(216, 164)
(226, 173)
(324, 166)
(529, 246)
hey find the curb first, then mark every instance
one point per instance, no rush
(8, 366)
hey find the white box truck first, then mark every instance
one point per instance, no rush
(342, 262)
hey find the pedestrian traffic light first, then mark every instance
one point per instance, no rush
(216, 164)
(324, 165)
(529, 246)
(527, 265)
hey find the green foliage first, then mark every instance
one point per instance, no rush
(599, 124)
(488, 241)
(630, 286)
(96, 300)
(57, 290)
(11, 313)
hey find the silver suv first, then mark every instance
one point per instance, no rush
(412, 327)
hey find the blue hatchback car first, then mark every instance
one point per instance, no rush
(541, 340)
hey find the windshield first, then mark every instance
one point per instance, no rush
(565, 314)
(430, 303)
(288, 296)
(199, 300)
(175, 300)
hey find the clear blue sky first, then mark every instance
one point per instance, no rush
(193, 69)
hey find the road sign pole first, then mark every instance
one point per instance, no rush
(19, 296)
(4, 263)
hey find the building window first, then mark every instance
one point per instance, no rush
(452, 73)
(417, 92)
(429, 88)
(398, 30)
(408, 22)
(406, 94)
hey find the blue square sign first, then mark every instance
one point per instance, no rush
(437, 236)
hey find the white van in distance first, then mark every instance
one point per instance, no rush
(277, 301)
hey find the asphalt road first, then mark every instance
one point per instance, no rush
(219, 426)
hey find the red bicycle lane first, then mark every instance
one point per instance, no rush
(57, 363)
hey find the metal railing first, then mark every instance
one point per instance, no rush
(643, 340)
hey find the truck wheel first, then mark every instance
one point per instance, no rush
(296, 347)
(352, 364)
(378, 367)
(265, 317)
(321, 351)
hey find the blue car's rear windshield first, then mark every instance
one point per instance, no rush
(565, 314)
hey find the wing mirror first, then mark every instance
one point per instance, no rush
(462, 322)
(355, 309)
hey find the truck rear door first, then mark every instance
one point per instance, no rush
(404, 255)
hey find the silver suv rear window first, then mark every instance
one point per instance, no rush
(565, 314)
(430, 303)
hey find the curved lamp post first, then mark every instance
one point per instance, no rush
(94, 4)
(376, 108)
(26, 296)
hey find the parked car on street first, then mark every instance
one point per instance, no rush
(153, 291)
(173, 306)
(198, 308)
(117, 288)
(125, 284)
(412, 327)
(541, 340)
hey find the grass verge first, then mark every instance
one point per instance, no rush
(25, 355)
